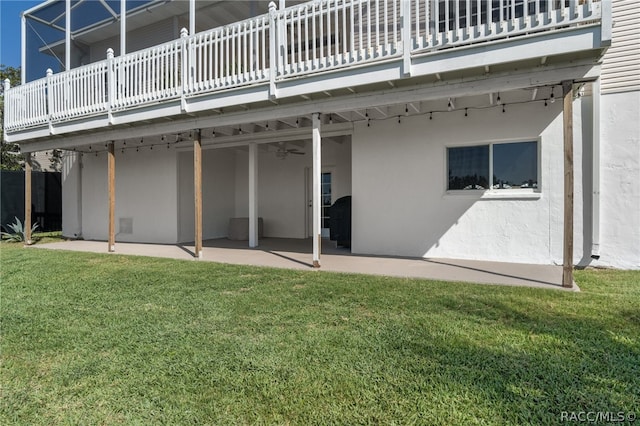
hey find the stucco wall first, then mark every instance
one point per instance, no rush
(218, 193)
(145, 192)
(71, 195)
(620, 181)
(396, 173)
(401, 207)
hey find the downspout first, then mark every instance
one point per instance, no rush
(595, 205)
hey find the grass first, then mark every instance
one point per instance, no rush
(109, 339)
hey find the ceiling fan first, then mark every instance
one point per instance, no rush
(282, 152)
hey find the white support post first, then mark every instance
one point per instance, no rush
(317, 199)
(110, 85)
(123, 27)
(606, 23)
(23, 47)
(253, 195)
(192, 16)
(67, 36)
(273, 49)
(184, 59)
(49, 99)
(405, 11)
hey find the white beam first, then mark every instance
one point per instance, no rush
(343, 116)
(192, 17)
(67, 36)
(253, 195)
(293, 124)
(123, 27)
(23, 47)
(57, 18)
(288, 135)
(109, 9)
(381, 112)
(45, 22)
(317, 195)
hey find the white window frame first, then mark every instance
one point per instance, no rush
(494, 193)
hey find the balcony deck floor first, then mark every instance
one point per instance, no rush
(296, 254)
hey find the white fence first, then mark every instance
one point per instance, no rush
(299, 40)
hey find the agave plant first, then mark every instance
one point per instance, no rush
(18, 233)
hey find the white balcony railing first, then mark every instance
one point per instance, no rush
(297, 41)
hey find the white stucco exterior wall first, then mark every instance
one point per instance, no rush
(401, 207)
(71, 195)
(218, 193)
(397, 176)
(146, 184)
(620, 181)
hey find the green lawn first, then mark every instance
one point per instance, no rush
(110, 339)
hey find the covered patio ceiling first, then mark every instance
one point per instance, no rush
(297, 129)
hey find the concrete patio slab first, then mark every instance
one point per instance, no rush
(296, 254)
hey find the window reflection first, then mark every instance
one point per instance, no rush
(515, 165)
(469, 167)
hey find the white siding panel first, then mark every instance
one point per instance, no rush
(621, 64)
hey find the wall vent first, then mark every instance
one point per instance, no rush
(126, 225)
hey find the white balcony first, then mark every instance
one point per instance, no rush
(316, 47)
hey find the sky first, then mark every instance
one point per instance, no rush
(10, 29)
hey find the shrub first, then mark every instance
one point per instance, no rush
(18, 233)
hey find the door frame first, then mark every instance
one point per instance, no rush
(308, 199)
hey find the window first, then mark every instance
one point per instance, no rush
(512, 166)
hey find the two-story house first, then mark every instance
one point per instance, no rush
(479, 129)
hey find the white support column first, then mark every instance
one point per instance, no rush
(192, 16)
(253, 195)
(317, 199)
(407, 42)
(123, 27)
(23, 47)
(67, 36)
(274, 37)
